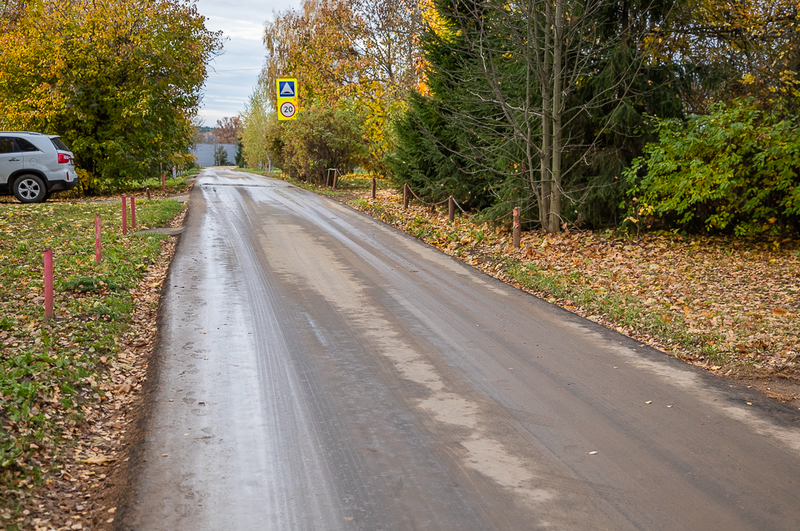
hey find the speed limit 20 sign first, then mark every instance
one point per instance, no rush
(287, 98)
(287, 110)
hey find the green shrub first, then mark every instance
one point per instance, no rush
(320, 138)
(735, 169)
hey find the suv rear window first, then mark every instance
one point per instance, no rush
(59, 144)
(6, 145)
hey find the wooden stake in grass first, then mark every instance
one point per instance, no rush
(451, 209)
(374, 186)
(124, 216)
(517, 228)
(48, 283)
(163, 182)
(405, 196)
(133, 212)
(148, 193)
(98, 254)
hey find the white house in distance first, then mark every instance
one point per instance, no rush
(204, 153)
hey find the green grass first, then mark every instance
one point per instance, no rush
(180, 184)
(49, 368)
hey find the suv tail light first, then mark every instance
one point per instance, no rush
(63, 159)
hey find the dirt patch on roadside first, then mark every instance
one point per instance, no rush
(121, 480)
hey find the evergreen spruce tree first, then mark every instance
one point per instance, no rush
(429, 154)
(240, 162)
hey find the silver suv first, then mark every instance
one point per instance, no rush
(34, 165)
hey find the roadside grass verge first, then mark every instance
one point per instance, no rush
(728, 305)
(52, 372)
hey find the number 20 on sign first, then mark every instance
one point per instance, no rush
(287, 98)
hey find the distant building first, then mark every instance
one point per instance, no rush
(205, 153)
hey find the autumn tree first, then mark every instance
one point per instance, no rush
(258, 116)
(354, 51)
(119, 80)
(10, 11)
(389, 44)
(730, 49)
(731, 163)
(228, 130)
(322, 138)
(314, 45)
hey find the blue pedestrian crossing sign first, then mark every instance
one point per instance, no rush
(287, 98)
(286, 88)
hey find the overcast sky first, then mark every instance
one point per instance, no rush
(233, 75)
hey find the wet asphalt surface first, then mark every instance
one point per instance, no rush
(319, 370)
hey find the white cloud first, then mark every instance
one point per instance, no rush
(237, 29)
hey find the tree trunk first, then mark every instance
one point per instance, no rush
(547, 106)
(558, 44)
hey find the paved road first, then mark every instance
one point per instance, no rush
(322, 371)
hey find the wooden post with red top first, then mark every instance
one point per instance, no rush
(48, 283)
(124, 215)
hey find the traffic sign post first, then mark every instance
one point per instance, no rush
(287, 98)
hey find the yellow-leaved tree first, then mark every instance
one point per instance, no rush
(355, 54)
(119, 80)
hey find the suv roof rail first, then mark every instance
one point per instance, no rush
(23, 132)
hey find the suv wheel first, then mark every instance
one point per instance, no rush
(30, 189)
